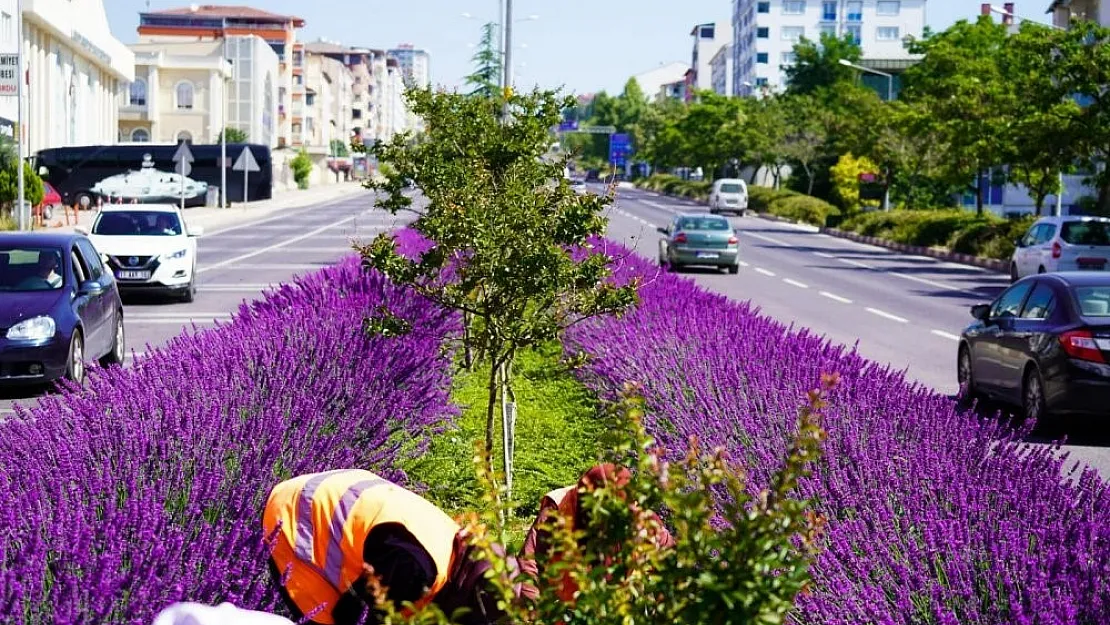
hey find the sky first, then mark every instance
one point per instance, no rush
(582, 46)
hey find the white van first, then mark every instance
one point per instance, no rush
(729, 195)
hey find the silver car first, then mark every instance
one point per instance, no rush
(699, 239)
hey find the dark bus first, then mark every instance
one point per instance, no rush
(144, 173)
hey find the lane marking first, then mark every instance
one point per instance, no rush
(825, 255)
(886, 315)
(279, 267)
(744, 264)
(800, 285)
(765, 272)
(181, 321)
(279, 245)
(160, 315)
(946, 335)
(285, 215)
(835, 297)
(856, 263)
(658, 206)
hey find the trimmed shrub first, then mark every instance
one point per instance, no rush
(804, 208)
(935, 515)
(673, 185)
(760, 198)
(959, 230)
(147, 487)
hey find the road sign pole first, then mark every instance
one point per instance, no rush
(246, 179)
(20, 193)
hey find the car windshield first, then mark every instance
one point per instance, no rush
(731, 187)
(138, 223)
(703, 223)
(1094, 301)
(1086, 232)
(30, 268)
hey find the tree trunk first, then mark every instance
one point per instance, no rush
(491, 404)
(979, 192)
(468, 354)
(755, 173)
(809, 180)
(508, 424)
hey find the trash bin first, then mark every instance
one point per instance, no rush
(212, 197)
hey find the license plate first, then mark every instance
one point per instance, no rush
(708, 255)
(133, 275)
(1098, 264)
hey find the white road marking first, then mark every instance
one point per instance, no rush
(765, 238)
(744, 264)
(279, 245)
(800, 285)
(278, 267)
(317, 250)
(765, 272)
(946, 335)
(183, 320)
(825, 255)
(835, 297)
(933, 283)
(886, 315)
(159, 315)
(856, 263)
(235, 288)
(661, 207)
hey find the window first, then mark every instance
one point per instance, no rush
(887, 33)
(854, 32)
(1009, 303)
(793, 33)
(138, 92)
(760, 82)
(184, 135)
(763, 32)
(763, 7)
(793, 7)
(30, 269)
(140, 135)
(92, 259)
(762, 57)
(707, 32)
(789, 58)
(855, 11)
(828, 10)
(888, 7)
(8, 34)
(79, 273)
(1094, 301)
(1086, 233)
(1045, 232)
(184, 95)
(1041, 303)
(828, 29)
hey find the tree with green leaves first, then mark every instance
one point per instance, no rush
(510, 240)
(806, 136)
(817, 64)
(486, 79)
(234, 135)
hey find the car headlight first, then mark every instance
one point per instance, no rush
(33, 329)
(178, 254)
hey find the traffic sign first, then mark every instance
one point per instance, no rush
(620, 147)
(246, 163)
(183, 158)
(9, 74)
(568, 125)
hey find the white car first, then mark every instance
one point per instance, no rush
(728, 195)
(148, 248)
(1068, 243)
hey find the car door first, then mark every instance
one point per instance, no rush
(99, 312)
(1042, 256)
(987, 349)
(1021, 340)
(1023, 252)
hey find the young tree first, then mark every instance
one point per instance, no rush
(817, 65)
(487, 62)
(510, 240)
(806, 136)
(234, 135)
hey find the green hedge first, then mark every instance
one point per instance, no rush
(791, 205)
(958, 230)
(673, 185)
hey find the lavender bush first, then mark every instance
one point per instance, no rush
(148, 487)
(934, 515)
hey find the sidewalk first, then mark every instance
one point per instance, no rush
(216, 218)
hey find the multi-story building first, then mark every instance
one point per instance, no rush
(708, 40)
(720, 70)
(415, 64)
(359, 61)
(766, 31)
(670, 75)
(329, 91)
(76, 70)
(213, 22)
(180, 93)
(1064, 10)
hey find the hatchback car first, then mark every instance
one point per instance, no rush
(1068, 243)
(699, 239)
(728, 195)
(59, 309)
(1043, 345)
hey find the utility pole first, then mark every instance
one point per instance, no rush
(507, 44)
(223, 139)
(20, 194)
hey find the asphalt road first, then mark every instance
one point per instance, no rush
(239, 262)
(903, 310)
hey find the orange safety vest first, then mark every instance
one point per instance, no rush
(325, 519)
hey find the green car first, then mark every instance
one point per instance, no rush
(699, 239)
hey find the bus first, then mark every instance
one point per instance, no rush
(144, 173)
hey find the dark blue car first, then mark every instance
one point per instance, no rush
(59, 309)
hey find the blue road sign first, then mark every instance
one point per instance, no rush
(620, 147)
(568, 125)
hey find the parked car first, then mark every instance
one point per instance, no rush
(1042, 345)
(51, 202)
(148, 248)
(699, 239)
(59, 308)
(1069, 243)
(728, 195)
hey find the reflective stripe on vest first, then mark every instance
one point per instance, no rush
(305, 547)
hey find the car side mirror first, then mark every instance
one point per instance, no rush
(195, 231)
(1019, 243)
(81, 230)
(663, 230)
(981, 312)
(90, 287)
(44, 171)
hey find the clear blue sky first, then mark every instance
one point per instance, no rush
(583, 45)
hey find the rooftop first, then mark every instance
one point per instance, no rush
(229, 12)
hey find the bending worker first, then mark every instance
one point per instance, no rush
(334, 523)
(537, 548)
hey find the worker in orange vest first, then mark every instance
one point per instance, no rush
(327, 526)
(537, 548)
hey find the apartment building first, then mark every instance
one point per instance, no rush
(766, 31)
(216, 23)
(76, 70)
(415, 64)
(708, 40)
(1064, 10)
(329, 93)
(720, 70)
(668, 81)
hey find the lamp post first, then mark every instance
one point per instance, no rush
(889, 97)
(1059, 208)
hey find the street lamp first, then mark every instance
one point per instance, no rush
(889, 97)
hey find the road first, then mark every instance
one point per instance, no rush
(903, 310)
(237, 263)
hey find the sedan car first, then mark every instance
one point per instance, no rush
(699, 239)
(1069, 243)
(59, 309)
(1042, 345)
(148, 248)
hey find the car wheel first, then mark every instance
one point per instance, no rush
(1014, 277)
(674, 267)
(965, 376)
(1032, 396)
(1041, 270)
(734, 269)
(75, 369)
(191, 291)
(119, 345)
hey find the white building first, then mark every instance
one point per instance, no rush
(76, 71)
(416, 72)
(1064, 10)
(720, 70)
(708, 41)
(765, 32)
(652, 82)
